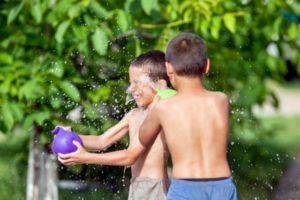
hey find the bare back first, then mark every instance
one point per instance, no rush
(196, 131)
(152, 163)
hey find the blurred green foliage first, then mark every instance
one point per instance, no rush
(57, 56)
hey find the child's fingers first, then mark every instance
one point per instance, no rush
(66, 128)
(61, 160)
(66, 161)
(77, 144)
(64, 156)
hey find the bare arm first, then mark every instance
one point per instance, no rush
(109, 137)
(148, 133)
(118, 158)
(150, 128)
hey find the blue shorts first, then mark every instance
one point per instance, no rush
(210, 189)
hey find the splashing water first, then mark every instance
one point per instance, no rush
(143, 79)
(129, 97)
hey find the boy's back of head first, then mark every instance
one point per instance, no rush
(153, 62)
(187, 54)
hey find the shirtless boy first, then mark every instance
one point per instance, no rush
(149, 170)
(195, 124)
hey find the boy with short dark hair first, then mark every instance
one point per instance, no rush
(149, 170)
(195, 124)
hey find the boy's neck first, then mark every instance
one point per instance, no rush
(186, 85)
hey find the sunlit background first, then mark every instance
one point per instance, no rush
(66, 62)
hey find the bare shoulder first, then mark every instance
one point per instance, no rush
(133, 112)
(162, 105)
(220, 98)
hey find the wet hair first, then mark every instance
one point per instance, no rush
(187, 54)
(153, 62)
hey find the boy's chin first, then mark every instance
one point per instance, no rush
(141, 105)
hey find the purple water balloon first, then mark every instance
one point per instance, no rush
(63, 141)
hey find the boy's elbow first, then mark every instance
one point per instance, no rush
(133, 154)
(131, 159)
(101, 142)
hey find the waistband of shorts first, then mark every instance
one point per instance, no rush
(204, 181)
(147, 179)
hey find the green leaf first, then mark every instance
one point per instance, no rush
(13, 13)
(5, 86)
(100, 41)
(57, 69)
(216, 26)
(204, 26)
(138, 49)
(70, 90)
(133, 6)
(74, 11)
(55, 102)
(185, 5)
(122, 21)
(150, 6)
(99, 10)
(85, 3)
(42, 116)
(55, 97)
(7, 116)
(100, 94)
(36, 10)
(293, 31)
(80, 32)
(61, 31)
(230, 22)
(90, 111)
(31, 90)
(17, 111)
(174, 3)
(277, 24)
(38, 117)
(6, 58)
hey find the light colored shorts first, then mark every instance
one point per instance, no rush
(143, 188)
(184, 189)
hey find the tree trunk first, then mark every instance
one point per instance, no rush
(41, 175)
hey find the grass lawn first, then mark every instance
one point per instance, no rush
(286, 132)
(12, 180)
(260, 161)
(91, 194)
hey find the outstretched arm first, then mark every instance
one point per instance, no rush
(109, 137)
(118, 158)
(147, 135)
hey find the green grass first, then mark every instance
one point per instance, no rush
(286, 132)
(91, 194)
(12, 180)
(261, 153)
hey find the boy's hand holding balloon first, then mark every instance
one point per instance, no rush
(77, 157)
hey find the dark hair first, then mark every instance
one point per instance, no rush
(154, 64)
(187, 54)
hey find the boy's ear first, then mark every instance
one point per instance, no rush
(207, 66)
(161, 84)
(170, 69)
